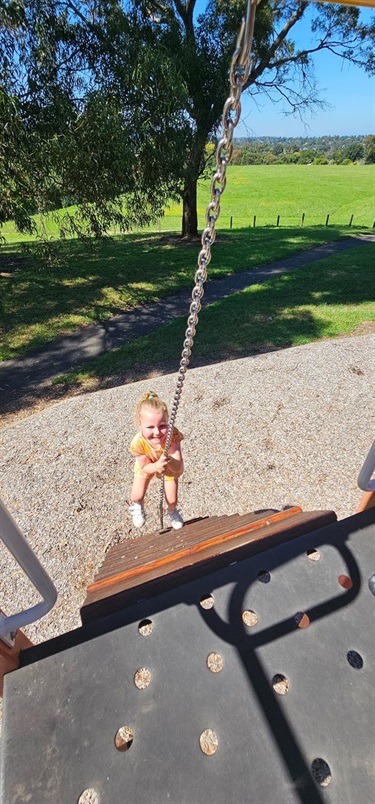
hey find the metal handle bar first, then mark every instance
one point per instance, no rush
(22, 552)
(365, 481)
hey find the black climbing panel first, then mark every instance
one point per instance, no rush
(252, 684)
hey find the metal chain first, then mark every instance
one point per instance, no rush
(239, 72)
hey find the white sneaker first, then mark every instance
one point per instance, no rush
(138, 514)
(176, 519)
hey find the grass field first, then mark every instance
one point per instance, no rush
(36, 306)
(267, 191)
(330, 298)
(39, 303)
(316, 190)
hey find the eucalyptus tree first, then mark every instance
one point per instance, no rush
(279, 68)
(88, 101)
(111, 103)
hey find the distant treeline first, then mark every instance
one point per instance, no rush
(328, 150)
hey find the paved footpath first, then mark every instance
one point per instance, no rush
(71, 351)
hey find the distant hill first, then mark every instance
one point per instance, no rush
(330, 149)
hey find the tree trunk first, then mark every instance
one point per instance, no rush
(189, 210)
(193, 170)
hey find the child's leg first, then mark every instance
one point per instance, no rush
(139, 488)
(137, 496)
(171, 493)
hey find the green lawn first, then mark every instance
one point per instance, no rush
(325, 300)
(267, 191)
(37, 304)
(288, 191)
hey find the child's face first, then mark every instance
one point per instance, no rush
(153, 425)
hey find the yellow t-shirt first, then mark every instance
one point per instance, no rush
(140, 446)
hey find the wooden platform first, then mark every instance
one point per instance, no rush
(9, 656)
(143, 567)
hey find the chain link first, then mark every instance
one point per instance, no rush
(239, 72)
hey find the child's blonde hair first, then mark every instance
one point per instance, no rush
(150, 400)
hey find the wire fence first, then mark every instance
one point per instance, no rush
(173, 223)
(229, 220)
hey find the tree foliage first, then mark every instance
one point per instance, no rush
(88, 103)
(302, 150)
(369, 146)
(110, 103)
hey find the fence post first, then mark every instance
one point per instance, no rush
(255, 220)
(351, 220)
(327, 219)
(303, 219)
(278, 220)
(231, 221)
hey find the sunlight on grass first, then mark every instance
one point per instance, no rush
(92, 285)
(41, 301)
(35, 335)
(265, 191)
(144, 287)
(76, 281)
(282, 312)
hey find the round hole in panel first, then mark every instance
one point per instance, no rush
(207, 601)
(302, 619)
(209, 742)
(142, 678)
(124, 738)
(215, 662)
(146, 627)
(313, 554)
(371, 584)
(321, 772)
(345, 581)
(249, 617)
(88, 796)
(264, 576)
(280, 684)
(355, 659)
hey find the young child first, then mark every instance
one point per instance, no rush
(151, 416)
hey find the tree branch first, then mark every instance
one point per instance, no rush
(80, 16)
(185, 11)
(264, 63)
(181, 10)
(190, 6)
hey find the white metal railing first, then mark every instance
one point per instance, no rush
(366, 481)
(13, 539)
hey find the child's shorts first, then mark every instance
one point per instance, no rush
(140, 473)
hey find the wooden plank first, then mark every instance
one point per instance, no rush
(140, 543)
(146, 546)
(137, 550)
(141, 549)
(367, 501)
(171, 541)
(129, 586)
(9, 657)
(166, 554)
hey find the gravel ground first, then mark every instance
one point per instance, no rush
(286, 427)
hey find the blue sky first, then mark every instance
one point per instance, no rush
(349, 91)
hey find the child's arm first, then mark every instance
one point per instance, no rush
(151, 468)
(175, 463)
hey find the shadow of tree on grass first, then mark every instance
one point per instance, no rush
(331, 298)
(91, 284)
